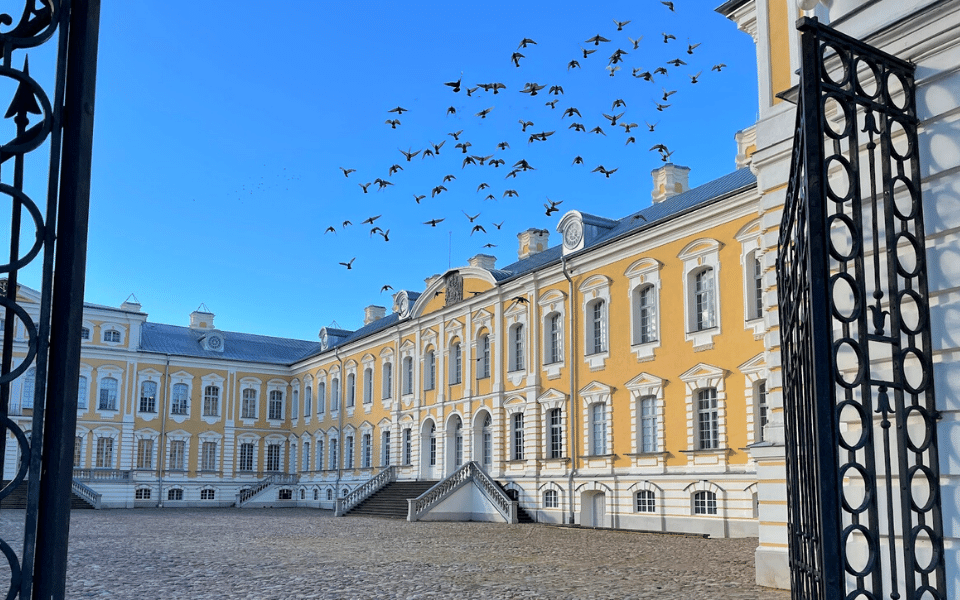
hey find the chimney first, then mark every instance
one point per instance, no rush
(532, 241)
(131, 304)
(201, 318)
(669, 180)
(373, 313)
(483, 261)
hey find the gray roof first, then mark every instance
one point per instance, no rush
(183, 341)
(652, 215)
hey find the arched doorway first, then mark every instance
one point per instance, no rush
(429, 457)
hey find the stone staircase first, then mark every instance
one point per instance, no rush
(522, 515)
(391, 500)
(18, 498)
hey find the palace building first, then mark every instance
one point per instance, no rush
(614, 379)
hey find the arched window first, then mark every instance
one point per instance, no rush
(275, 406)
(387, 380)
(456, 363)
(704, 503)
(430, 370)
(458, 443)
(335, 394)
(321, 397)
(351, 390)
(294, 403)
(645, 501)
(754, 274)
(248, 409)
(597, 327)
(148, 397)
(645, 314)
(108, 394)
(433, 445)
(554, 348)
(319, 461)
(180, 404)
(551, 499)
(487, 433)
(211, 401)
(111, 335)
(316, 494)
(367, 385)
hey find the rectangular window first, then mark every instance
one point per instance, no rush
(348, 452)
(108, 394)
(517, 348)
(556, 434)
(273, 457)
(430, 368)
(598, 437)
(248, 409)
(177, 450)
(647, 315)
(366, 451)
(334, 450)
(319, 461)
(551, 499)
(335, 395)
(211, 401)
(144, 454)
(704, 503)
(294, 403)
(175, 494)
(385, 448)
(757, 288)
(104, 453)
(82, 391)
(275, 406)
(181, 399)
(408, 375)
(761, 408)
(704, 298)
(307, 401)
(142, 494)
(148, 397)
(517, 436)
(487, 445)
(77, 451)
(648, 424)
(321, 398)
(351, 390)
(246, 457)
(645, 501)
(433, 446)
(484, 366)
(208, 458)
(208, 494)
(707, 419)
(407, 447)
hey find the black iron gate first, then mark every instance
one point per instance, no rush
(864, 517)
(48, 200)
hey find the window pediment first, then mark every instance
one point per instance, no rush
(595, 392)
(754, 365)
(551, 399)
(643, 266)
(704, 376)
(645, 384)
(699, 247)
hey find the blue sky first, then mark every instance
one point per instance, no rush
(220, 135)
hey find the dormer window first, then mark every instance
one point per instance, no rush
(84, 333)
(111, 336)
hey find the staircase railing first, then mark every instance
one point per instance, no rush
(470, 472)
(275, 479)
(86, 492)
(365, 490)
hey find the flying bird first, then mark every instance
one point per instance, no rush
(470, 91)
(393, 169)
(477, 228)
(606, 172)
(552, 207)
(676, 62)
(667, 4)
(330, 229)
(463, 146)
(630, 139)
(612, 69)
(483, 159)
(385, 288)
(455, 135)
(496, 162)
(510, 194)
(532, 88)
(524, 42)
(370, 220)
(693, 78)
(597, 130)
(588, 52)
(468, 161)
(436, 147)
(515, 57)
(455, 84)
(447, 178)
(577, 127)
(346, 172)
(437, 190)
(498, 225)
(473, 218)
(409, 154)
(526, 124)
(503, 145)
(573, 65)
(690, 48)
(556, 90)
(392, 123)
(386, 235)
(451, 111)
(483, 113)
(382, 183)
(578, 160)
(596, 40)
(635, 42)
(660, 107)
(651, 127)
(570, 112)
(399, 110)
(482, 186)
(490, 197)
(628, 126)
(620, 24)
(489, 246)
(419, 198)
(667, 93)
(718, 68)
(612, 118)
(660, 70)
(668, 36)
(523, 164)
(618, 103)
(647, 75)
(551, 103)
(432, 222)
(364, 186)
(346, 223)
(542, 136)
(349, 264)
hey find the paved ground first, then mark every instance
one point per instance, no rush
(298, 553)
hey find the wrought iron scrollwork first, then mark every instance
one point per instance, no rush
(859, 405)
(28, 346)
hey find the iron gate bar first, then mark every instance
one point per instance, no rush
(811, 266)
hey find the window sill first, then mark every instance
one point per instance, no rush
(597, 456)
(645, 351)
(650, 454)
(597, 360)
(708, 451)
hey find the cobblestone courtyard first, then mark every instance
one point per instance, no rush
(299, 553)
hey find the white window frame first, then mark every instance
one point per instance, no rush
(275, 405)
(209, 437)
(144, 378)
(754, 371)
(249, 398)
(697, 256)
(206, 381)
(704, 376)
(115, 373)
(141, 437)
(254, 443)
(751, 249)
(592, 291)
(430, 369)
(456, 362)
(644, 275)
(181, 377)
(386, 380)
(368, 382)
(105, 433)
(592, 394)
(120, 330)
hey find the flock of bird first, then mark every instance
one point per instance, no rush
(560, 118)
